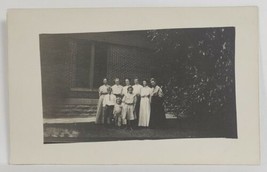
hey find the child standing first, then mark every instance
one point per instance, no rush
(108, 104)
(129, 101)
(118, 112)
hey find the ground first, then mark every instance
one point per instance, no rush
(86, 131)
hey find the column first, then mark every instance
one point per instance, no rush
(92, 64)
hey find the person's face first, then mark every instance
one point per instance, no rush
(109, 90)
(130, 91)
(153, 83)
(105, 81)
(144, 83)
(136, 81)
(118, 101)
(117, 81)
(127, 82)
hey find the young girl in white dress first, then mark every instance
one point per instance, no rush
(144, 113)
(118, 113)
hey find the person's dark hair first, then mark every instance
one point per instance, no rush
(153, 79)
(118, 100)
(130, 87)
(109, 89)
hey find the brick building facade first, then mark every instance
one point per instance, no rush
(74, 65)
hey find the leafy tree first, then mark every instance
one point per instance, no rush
(196, 67)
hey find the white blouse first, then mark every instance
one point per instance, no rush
(109, 99)
(137, 89)
(103, 89)
(117, 89)
(145, 91)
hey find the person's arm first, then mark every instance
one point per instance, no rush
(155, 91)
(121, 90)
(134, 101)
(123, 99)
(114, 110)
(114, 99)
(112, 87)
(124, 91)
(104, 101)
(148, 93)
(138, 88)
(99, 91)
(141, 88)
(160, 92)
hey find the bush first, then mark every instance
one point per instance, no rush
(196, 69)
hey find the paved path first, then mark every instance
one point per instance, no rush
(68, 120)
(81, 119)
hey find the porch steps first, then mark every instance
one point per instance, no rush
(72, 108)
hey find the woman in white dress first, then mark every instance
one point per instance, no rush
(144, 113)
(100, 111)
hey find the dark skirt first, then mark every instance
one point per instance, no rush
(137, 107)
(157, 114)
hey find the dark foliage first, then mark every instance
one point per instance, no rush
(196, 69)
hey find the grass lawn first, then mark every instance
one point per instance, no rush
(87, 132)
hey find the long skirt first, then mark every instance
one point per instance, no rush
(108, 115)
(123, 115)
(144, 113)
(137, 107)
(157, 114)
(100, 111)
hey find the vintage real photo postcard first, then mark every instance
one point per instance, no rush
(134, 86)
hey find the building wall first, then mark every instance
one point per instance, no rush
(55, 71)
(57, 53)
(128, 62)
(128, 38)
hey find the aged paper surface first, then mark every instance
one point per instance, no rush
(26, 122)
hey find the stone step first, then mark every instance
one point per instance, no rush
(81, 101)
(85, 109)
(77, 110)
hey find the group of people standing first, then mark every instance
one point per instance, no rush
(130, 106)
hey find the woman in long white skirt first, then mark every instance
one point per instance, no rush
(100, 111)
(144, 113)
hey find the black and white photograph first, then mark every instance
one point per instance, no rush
(169, 83)
(119, 86)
